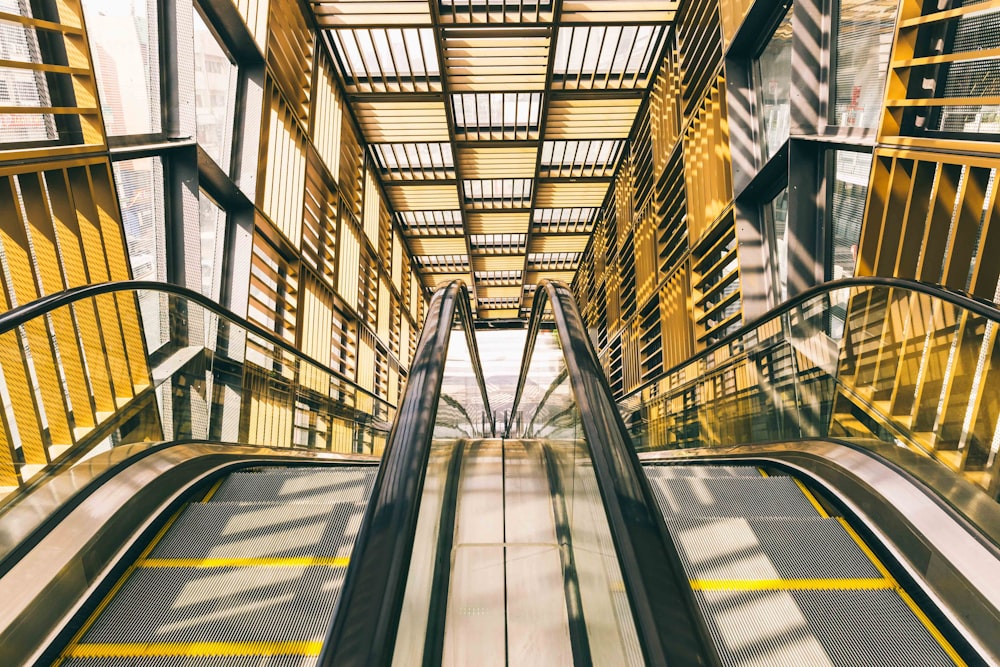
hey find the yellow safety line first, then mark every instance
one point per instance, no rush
(163, 649)
(917, 611)
(117, 587)
(931, 628)
(211, 492)
(864, 547)
(811, 498)
(790, 584)
(245, 562)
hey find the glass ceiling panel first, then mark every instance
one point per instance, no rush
(388, 59)
(500, 302)
(605, 56)
(498, 278)
(580, 158)
(499, 244)
(553, 261)
(564, 220)
(414, 161)
(492, 11)
(498, 192)
(494, 116)
(429, 223)
(443, 263)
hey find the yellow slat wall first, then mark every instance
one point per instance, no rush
(68, 232)
(285, 169)
(41, 227)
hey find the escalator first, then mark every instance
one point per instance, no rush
(254, 567)
(778, 580)
(553, 544)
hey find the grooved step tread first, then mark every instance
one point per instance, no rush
(224, 604)
(738, 548)
(298, 485)
(731, 497)
(263, 530)
(818, 627)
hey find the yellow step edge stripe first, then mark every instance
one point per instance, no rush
(811, 498)
(864, 548)
(244, 562)
(790, 584)
(917, 611)
(211, 492)
(931, 628)
(117, 587)
(164, 649)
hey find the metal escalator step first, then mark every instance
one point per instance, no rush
(298, 485)
(768, 548)
(731, 496)
(700, 471)
(809, 627)
(196, 661)
(222, 604)
(262, 530)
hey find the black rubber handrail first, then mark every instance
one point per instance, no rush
(981, 307)
(363, 630)
(669, 627)
(21, 315)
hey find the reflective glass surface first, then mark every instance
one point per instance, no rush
(773, 73)
(850, 190)
(863, 39)
(215, 95)
(124, 42)
(548, 413)
(196, 381)
(872, 363)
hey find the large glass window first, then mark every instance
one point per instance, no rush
(772, 75)
(850, 189)
(215, 78)
(777, 213)
(125, 49)
(140, 194)
(213, 235)
(863, 40)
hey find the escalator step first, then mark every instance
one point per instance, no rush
(676, 471)
(810, 627)
(298, 485)
(731, 497)
(727, 548)
(220, 604)
(196, 661)
(262, 530)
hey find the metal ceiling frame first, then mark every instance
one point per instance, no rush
(596, 102)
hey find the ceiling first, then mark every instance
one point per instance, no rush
(496, 124)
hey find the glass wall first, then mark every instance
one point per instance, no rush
(863, 37)
(847, 206)
(772, 78)
(124, 44)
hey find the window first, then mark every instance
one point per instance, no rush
(863, 39)
(777, 214)
(772, 73)
(213, 235)
(140, 195)
(215, 81)
(850, 189)
(125, 49)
